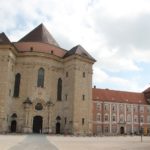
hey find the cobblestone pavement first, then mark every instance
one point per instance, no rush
(45, 142)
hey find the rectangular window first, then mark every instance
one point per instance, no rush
(82, 121)
(128, 108)
(148, 109)
(106, 129)
(106, 107)
(9, 92)
(106, 118)
(83, 74)
(135, 119)
(114, 129)
(121, 107)
(83, 97)
(98, 117)
(142, 119)
(142, 109)
(135, 109)
(113, 118)
(98, 106)
(98, 129)
(113, 108)
(148, 119)
(67, 74)
(66, 97)
(65, 120)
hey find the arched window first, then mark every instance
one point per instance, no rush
(40, 81)
(58, 118)
(14, 115)
(59, 89)
(17, 85)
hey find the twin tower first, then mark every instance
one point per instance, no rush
(44, 88)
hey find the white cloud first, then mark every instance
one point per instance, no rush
(115, 32)
(122, 8)
(116, 82)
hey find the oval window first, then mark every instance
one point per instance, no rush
(38, 106)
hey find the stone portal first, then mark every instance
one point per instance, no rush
(37, 124)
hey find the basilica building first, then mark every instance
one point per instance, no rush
(43, 87)
(47, 89)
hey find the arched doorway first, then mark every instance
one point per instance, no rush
(13, 126)
(121, 130)
(37, 124)
(57, 128)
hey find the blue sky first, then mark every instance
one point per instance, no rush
(115, 32)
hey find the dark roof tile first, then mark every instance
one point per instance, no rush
(4, 39)
(39, 34)
(80, 51)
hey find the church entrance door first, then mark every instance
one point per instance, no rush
(57, 128)
(122, 130)
(37, 124)
(13, 126)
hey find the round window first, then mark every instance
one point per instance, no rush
(38, 106)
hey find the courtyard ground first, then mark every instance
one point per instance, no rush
(45, 142)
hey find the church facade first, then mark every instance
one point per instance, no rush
(44, 88)
(47, 89)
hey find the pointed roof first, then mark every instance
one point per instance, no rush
(147, 90)
(4, 39)
(39, 34)
(80, 51)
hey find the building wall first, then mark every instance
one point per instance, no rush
(123, 118)
(7, 60)
(74, 86)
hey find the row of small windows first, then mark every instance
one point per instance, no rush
(114, 129)
(121, 108)
(121, 118)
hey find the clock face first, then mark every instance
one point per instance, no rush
(38, 106)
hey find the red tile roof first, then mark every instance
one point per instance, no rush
(118, 96)
(39, 47)
(40, 40)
